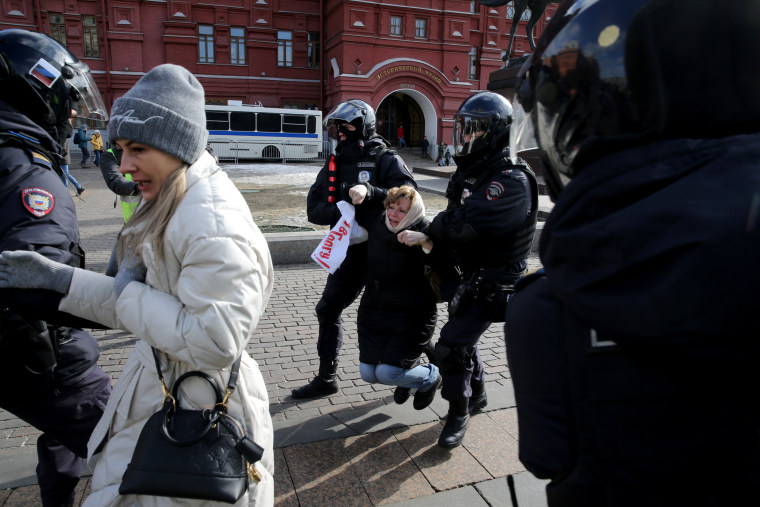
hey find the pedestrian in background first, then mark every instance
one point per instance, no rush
(193, 275)
(97, 147)
(400, 134)
(425, 147)
(48, 364)
(83, 141)
(635, 372)
(361, 156)
(126, 190)
(66, 177)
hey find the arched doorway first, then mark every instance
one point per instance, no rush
(399, 108)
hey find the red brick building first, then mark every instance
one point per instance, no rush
(414, 61)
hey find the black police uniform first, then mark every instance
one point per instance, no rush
(50, 372)
(634, 355)
(487, 229)
(368, 162)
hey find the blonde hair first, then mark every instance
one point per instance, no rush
(395, 194)
(151, 219)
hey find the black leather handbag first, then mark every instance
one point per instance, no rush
(200, 454)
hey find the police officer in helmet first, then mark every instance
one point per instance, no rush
(361, 158)
(634, 352)
(487, 230)
(47, 367)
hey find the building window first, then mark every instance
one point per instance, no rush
(472, 6)
(395, 25)
(205, 44)
(420, 27)
(473, 66)
(90, 36)
(57, 27)
(237, 46)
(284, 49)
(511, 12)
(312, 51)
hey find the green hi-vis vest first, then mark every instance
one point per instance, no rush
(128, 202)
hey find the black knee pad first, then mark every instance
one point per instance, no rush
(453, 358)
(326, 313)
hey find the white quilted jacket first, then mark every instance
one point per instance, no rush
(200, 308)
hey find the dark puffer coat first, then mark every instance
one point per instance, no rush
(397, 313)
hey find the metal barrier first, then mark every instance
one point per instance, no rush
(235, 151)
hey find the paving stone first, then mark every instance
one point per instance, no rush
(443, 468)
(323, 476)
(387, 472)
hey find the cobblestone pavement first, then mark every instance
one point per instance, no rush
(284, 346)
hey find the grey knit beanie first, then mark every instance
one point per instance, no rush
(165, 110)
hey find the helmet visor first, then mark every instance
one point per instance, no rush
(469, 134)
(85, 92)
(345, 111)
(521, 136)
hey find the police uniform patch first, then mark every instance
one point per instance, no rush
(37, 201)
(494, 190)
(364, 176)
(41, 159)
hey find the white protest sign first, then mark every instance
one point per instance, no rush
(331, 251)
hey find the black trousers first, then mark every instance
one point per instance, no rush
(66, 414)
(463, 330)
(341, 289)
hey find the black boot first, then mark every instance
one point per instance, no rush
(456, 424)
(400, 395)
(479, 399)
(324, 384)
(423, 400)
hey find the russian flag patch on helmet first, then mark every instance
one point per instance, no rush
(37, 201)
(45, 73)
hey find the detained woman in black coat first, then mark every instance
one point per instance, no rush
(397, 312)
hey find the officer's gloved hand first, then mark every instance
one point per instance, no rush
(131, 269)
(357, 193)
(23, 269)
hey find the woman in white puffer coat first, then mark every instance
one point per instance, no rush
(195, 292)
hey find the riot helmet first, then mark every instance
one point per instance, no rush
(481, 125)
(356, 112)
(609, 75)
(46, 80)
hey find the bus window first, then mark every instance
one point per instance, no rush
(311, 126)
(242, 122)
(294, 124)
(217, 120)
(269, 122)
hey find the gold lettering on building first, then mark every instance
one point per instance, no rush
(408, 68)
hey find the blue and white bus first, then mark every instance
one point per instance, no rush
(238, 132)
